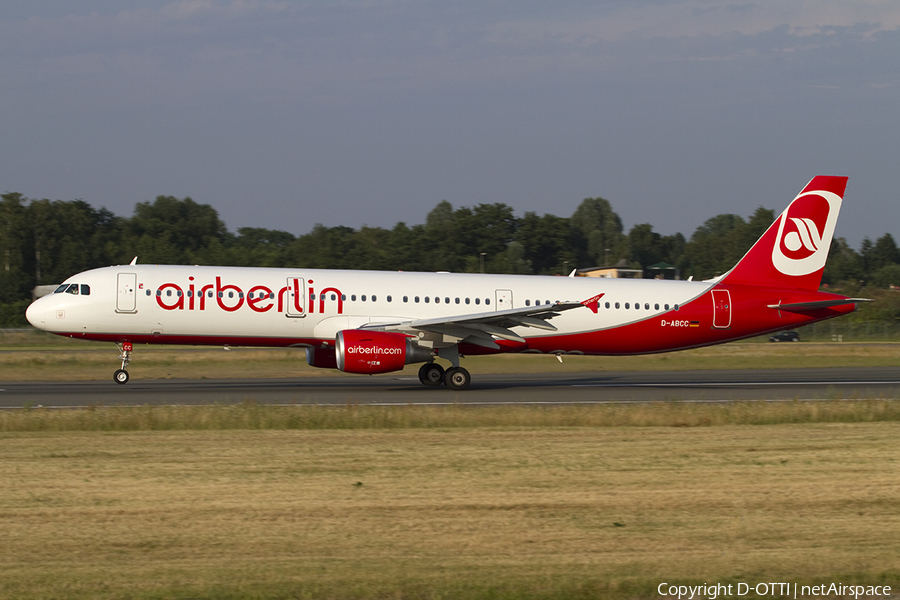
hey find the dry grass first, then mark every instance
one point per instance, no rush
(249, 415)
(74, 360)
(465, 512)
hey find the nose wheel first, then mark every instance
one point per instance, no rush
(121, 375)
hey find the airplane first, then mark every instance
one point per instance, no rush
(371, 322)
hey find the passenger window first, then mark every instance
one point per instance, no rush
(417, 299)
(528, 303)
(467, 300)
(457, 300)
(374, 297)
(666, 306)
(334, 296)
(607, 305)
(388, 298)
(209, 294)
(159, 292)
(406, 298)
(148, 292)
(353, 297)
(487, 300)
(627, 306)
(437, 300)
(363, 297)
(168, 292)
(676, 307)
(617, 305)
(656, 307)
(477, 300)
(178, 293)
(85, 290)
(427, 299)
(646, 306)
(446, 300)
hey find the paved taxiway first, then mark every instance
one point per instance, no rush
(534, 388)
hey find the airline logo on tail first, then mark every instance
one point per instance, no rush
(805, 232)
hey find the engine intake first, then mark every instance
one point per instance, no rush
(369, 352)
(323, 358)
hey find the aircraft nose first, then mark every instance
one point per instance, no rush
(36, 314)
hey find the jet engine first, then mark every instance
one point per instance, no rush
(369, 352)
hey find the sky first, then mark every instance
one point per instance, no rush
(285, 114)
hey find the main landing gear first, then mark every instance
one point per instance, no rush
(455, 378)
(121, 375)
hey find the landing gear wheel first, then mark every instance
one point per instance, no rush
(431, 374)
(121, 376)
(457, 378)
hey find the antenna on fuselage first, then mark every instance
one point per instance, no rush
(133, 261)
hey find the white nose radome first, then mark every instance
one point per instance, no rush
(36, 313)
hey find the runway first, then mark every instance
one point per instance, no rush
(486, 389)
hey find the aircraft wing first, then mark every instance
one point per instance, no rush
(480, 329)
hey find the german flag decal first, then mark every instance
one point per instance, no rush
(695, 323)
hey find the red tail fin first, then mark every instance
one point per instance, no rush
(792, 252)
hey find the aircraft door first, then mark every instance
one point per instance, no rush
(721, 309)
(125, 294)
(504, 299)
(294, 297)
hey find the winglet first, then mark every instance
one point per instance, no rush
(593, 303)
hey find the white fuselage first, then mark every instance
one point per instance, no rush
(276, 306)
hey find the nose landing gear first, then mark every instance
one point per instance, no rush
(121, 375)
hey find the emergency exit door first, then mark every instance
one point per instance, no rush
(125, 296)
(721, 309)
(504, 299)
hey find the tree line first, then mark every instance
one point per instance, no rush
(44, 242)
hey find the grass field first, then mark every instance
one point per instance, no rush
(426, 502)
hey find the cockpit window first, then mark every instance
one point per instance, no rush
(85, 289)
(61, 288)
(72, 289)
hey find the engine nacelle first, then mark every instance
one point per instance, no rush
(368, 352)
(323, 358)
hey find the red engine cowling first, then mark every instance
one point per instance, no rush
(368, 352)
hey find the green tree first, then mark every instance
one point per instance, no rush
(598, 233)
(716, 246)
(175, 231)
(547, 243)
(15, 280)
(843, 265)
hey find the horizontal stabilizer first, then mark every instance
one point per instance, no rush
(815, 305)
